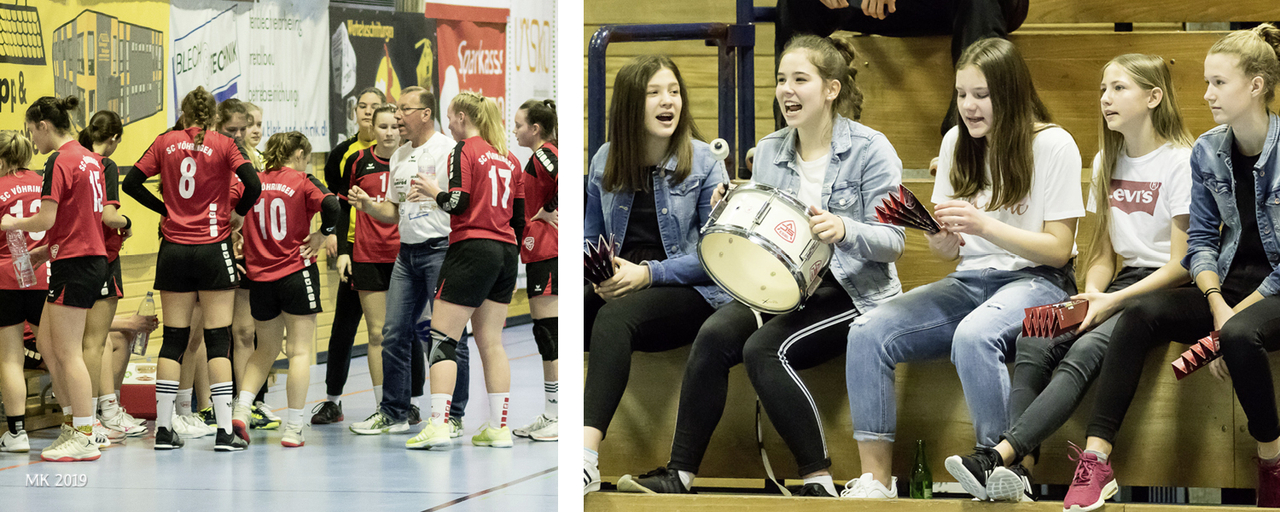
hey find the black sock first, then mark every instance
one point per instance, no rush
(17, 423)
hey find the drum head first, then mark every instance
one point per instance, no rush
(749, 272)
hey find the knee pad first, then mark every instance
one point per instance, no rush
(443, 348)
(217, 342)
(547, 335)
(175, 342)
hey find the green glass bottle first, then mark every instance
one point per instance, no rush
(921, 477)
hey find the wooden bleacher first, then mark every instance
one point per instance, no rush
(1186, 434)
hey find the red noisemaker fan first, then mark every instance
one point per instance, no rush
(1051, 320)
(598, 259)
(1200, 354)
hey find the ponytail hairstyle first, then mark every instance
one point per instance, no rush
(230, 107)
(834, 57)
(1259, 52)
(483, 113)
(104, 125)
(625, 166)
(282, 146)
(15, 151)
(1006, 148)
(1148, 72)
(55, 111)
(385, 108)
(543, 114)
(199, 109)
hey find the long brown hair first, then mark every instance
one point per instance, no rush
(1148, 72)
(834, 57)
(199, 109)
(1006, 148)
(625, 166)
(282, 146)
(1259, 52)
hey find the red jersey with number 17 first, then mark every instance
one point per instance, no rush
(375, 241)
(193, 179)
(493, 182)
(73, 179)
(280, 220)
(20, 197)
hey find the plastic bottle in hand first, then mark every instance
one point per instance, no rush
(21, 259)
(147, 309)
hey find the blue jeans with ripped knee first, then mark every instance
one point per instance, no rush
(972, 315)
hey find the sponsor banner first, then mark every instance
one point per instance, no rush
(531, 62)
(472, 54)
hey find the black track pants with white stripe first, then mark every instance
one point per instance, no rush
(772, 354)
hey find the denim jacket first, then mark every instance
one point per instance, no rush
(1213, 205)
(864, 169)
(682, 210)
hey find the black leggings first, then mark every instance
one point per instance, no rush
(347, 313)
(773, 353)
(1183, 315)
(651, 320)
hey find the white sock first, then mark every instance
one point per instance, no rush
(95, 405)
(110, 406)
(66, 411)
(440, 407)
(1102, 457)
(825, 481)
(246, 398)
(591, 456)
(295, 417)
(377, 395)
(416, 401)
(166, 391)
(552, 408)
(498, 403)
(334, 398)
(83, 423)
(686, 478)
(184, 402)
(220, 395)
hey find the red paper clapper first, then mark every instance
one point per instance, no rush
(598, 260)
(906, 211)
(1051, 320)
(1199, 355)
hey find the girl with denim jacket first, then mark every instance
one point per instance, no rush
(1231, 244)
(842, 170)
(1142, 176)
(1007, 196)
(649, 189)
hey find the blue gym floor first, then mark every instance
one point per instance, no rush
(336, 470)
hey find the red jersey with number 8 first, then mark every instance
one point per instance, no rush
(279, 222)
(375, 242)
(493, 182)
(20, 197)
(73, 178)
(192, 178)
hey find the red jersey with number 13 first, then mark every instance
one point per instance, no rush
(493, 182)
(193, 179)
(279, 221)
(20, 197)
(73, 179)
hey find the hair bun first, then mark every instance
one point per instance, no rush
(1269, 34)
(550, 103)
(69, 103)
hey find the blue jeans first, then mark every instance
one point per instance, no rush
(972, 315)
(413, 283)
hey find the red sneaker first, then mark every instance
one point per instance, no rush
(1268, 483)
(1093, 483)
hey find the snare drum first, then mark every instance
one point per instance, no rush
(758, 247)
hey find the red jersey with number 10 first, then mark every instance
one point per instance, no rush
(280, 220)
(493, 182)
(73, 179)
(20, 197)
(375, 241)
(193, 179)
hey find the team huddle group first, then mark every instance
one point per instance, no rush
(1186, 244)
(431, 247)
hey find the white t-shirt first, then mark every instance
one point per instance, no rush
(811, 174)
(421, 220)
(1055, 195)
(1146, 193)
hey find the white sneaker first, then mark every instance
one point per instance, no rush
(102, 433)
(119, 423)
(549, 432)
(590, 476)
(129, 418)
(266, 412)
(190, 427)
(538, 423)
(379, 423)
(455, 427)
(866, 487)
(292, 436)
(12, 443)
(76, 447)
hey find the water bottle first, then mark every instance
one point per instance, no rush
(147, 309)
(921, 477)
(21, 259)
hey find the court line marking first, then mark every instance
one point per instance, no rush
(491, 489)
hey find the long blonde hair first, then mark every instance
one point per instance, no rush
(281, 147)
(1149, 72)
(1259, 52)
(15, 151)
(483, 113)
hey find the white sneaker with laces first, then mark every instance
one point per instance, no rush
(76, 447)
(129, 418)
(292, 436)
(119, 423)
(590, 476)
(538, 423)
(549, 432)
(102, 433)
(191, 427)
(14, 443)
(866, 487)
(266, 412)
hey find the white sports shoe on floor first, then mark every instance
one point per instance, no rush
(102, 433)
(292, 436)
(119, 423)
(14, 443)
(590, 476)
(866, 487)
(76, 447)
(191, 427)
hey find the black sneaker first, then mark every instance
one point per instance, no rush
(816, 490)
(229, 442)
(167, 439)
(415, 415)
(658, 481)
(1011, 484)
(327, 412)
(972, 470)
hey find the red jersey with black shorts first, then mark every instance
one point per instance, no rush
(540, 192)
(20, 197)
(112, 238)
(482, 260)
(376, 242)
(73, 179)
(283, 281)
(198, 212)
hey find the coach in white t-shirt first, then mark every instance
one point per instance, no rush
(424, 238)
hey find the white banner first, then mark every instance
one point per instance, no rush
(531, 60)
(272, 53)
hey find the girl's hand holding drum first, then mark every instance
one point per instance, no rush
(825, 225)
(629, 277)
